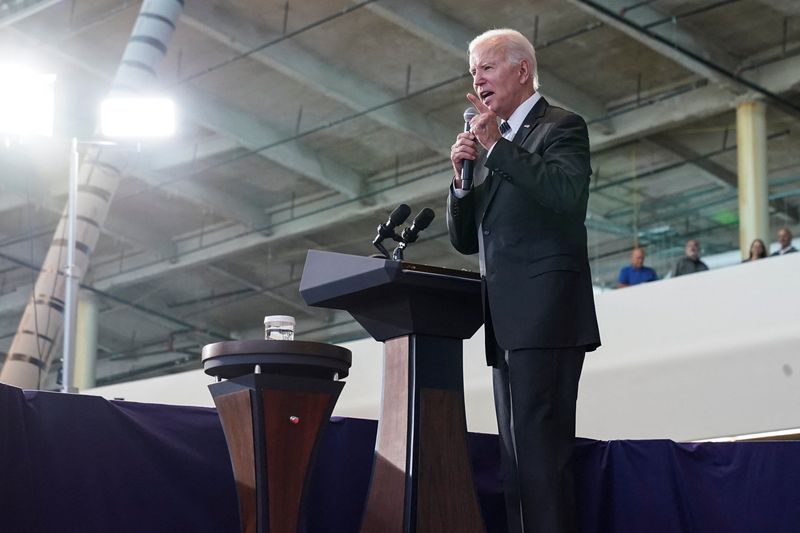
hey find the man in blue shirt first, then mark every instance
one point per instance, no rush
(636, 272)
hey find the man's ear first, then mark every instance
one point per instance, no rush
(524, 70)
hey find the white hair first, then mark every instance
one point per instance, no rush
(515, 46)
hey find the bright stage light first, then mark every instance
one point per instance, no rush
(27, 101)
(137, 117)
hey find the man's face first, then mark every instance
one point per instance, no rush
(500, 85)
(692, 249)
(637, 258)
(784, 237)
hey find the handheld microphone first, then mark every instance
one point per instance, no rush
(421, 221)
(466, 164)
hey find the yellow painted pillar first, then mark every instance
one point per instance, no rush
(85, 374)
(751, 151)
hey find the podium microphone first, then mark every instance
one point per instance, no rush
(397, 217)
(467, 164)
(421, 221)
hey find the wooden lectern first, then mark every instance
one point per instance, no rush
(422, 475)
(276, 399)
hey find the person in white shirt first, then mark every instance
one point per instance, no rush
(785, 240)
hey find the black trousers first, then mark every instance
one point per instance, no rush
(535, 392)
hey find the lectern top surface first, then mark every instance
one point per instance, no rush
(230, 359)
(276, 347)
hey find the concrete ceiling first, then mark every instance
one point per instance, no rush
(303, 124)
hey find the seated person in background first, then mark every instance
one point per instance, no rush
(690, 263)
(758, 250)
(636, 272)
(785, 240)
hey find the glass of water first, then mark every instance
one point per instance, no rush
(279, 327)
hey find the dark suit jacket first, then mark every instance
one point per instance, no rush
(530, 208)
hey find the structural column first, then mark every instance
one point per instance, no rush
(751, 142)
(85, 375)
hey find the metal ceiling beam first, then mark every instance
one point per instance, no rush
(8, 202)
(145, 236)
(297, 63)
(132, 231)
(643, 25)
(176, 154)
(727, 177)
(18, 11)
(262, 290)
(220, 202)
(444, 32)
(790, 8)
(690, 56)
(16, 300)
(722, 174)
(226, 240)
(777, 77)
(211, 112)
(151, 168)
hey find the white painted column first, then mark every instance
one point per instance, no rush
(84, 376)
(751, 150)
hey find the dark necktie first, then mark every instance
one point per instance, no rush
(504, 128)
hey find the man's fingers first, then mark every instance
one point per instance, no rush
(465, 153)
(477, 103)
(460, 151)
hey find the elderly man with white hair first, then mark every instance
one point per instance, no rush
(524, 216)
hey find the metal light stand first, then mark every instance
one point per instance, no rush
(71, 277)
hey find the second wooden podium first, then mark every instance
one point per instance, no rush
(274, 404)
(422, 474)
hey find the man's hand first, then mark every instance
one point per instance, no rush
(483, 130)
(465, 148)
(484, 124)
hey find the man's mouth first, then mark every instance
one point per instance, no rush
(486, 94)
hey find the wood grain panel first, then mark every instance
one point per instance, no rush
(236, 416)
(289, 450)
(385, 503)
(446, 499)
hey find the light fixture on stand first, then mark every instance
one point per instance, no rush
(27, 106)
(123, 118)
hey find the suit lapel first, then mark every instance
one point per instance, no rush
(528, 125)
(531, 121)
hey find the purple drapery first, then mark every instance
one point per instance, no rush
(83, 464)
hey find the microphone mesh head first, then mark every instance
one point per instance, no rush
(424, 218)
(399, 215)
(469, 114)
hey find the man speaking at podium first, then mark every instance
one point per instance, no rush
(525, 216)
